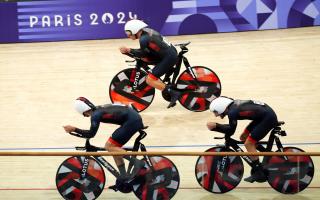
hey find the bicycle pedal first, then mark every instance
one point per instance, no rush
(171, 105)
(113, 187)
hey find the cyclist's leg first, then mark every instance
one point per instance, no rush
(166, 65)
(247, 131)
(257, 173)
(121, 136)
(259, 131)
(155, 82)
(113, 146)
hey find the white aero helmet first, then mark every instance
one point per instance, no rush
(220, 104)
(82, 105)
(134, 26)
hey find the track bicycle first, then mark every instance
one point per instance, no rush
(83, 177)
(285, 174)
(199, 85)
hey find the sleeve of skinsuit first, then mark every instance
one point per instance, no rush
(143, 51)
(95, 123)
(228, 129)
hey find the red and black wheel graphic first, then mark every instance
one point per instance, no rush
(72, 186)
(129, 87)
(219, 174)
(200, 92)
(162, 183)
(289, 174)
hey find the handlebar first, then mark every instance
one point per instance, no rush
(130, 61)
(218, 138)
(132, 56)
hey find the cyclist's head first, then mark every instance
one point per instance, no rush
(83, 105)
(219, 105)
(132, 27)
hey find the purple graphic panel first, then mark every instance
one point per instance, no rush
(8, 22)
(54, 20)
(73, 19)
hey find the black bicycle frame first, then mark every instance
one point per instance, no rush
(137, 145)
(100, 159)
(231, 143)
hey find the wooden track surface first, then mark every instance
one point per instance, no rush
(39, 81)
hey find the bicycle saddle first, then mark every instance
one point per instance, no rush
(280, 123)
(182, 45)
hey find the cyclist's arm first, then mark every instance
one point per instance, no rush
(143, 51)
(92, 131)
(228, 129)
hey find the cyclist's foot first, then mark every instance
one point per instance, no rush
(257, 176)
(175, 95)
(122, 184)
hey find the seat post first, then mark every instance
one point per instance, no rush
(137, 143)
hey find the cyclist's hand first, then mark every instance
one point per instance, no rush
(69, 128)
(211, 125)
(124, 50)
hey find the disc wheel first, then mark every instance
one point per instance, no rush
(72, 186)
(219, 174)
(290, 174)
(160, 184)
(121, 89)
(200, 92)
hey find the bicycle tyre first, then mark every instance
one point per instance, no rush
(142, 186)
(219, 174)
(208, 81)
(120, 89)
(69, 183)
(289, 177)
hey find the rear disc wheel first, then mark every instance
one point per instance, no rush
(129, 87)
(160, 184)
(290, 174)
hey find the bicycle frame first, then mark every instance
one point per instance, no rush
(100, 159)
(137, 145)
(234, 144)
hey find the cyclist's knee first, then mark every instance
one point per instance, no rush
(250, 142)
(244, 135)
(111, 144)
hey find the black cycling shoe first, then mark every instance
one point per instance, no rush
(175, 95)
(122, 185)
(257, 176)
